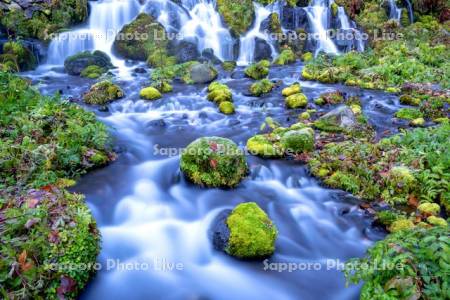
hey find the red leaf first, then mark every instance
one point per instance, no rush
(67, 285)
(213, 163)
(213, 146)
(47, 188)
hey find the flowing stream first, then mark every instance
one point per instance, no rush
(155, 225)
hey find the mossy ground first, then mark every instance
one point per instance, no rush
(238, 14)
(44, 144)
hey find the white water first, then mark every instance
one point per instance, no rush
(345, 25)
(395, 11)
(318, 15)
(106, 19)
(248, 41)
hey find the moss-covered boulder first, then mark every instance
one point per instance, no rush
(226, 107)
(150, 93)
(102, 93)
(261, 87)
(401, 179)
(291, 90)
(286, 56)
(214, 162)
(17, 57)
(142, 43)
(408, 114)
(409, 100)
(339, 119)
(330, 98)
(437, 221)
(229, 65)
(252, 233)
(203, 73)
(298, 100)
(258, 70)
(237, 14)
(219, 93)
(77, 63)
(260, 145)
(298, 141)
(92, 72)
(307, 56)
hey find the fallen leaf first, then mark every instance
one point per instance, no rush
(213, 163)
(67, 285)
(412, 201)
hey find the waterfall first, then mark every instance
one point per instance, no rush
(394, 11)
(318, 15)
(347, 25)
(106, 19)
(248, 41)
(410, 11)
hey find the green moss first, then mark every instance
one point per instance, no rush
(298, 141)
(102, 93)
(286, 56)
(150, 93)
(92, 72)
(429, 208)
(78, 63)
(419, 122)
(146, 46)
(436, 221)
(275, 24)
(252, 233)
(219, 93)
(291, 90)
(401, 224)
(305, 115)
(345, 181)
(387, 217)
(332, 98)
(409, 100)
(308, 56)
(238, 14)
(261, 87)
(408, 113)
(163, 86)
(159, 58)
(260, 145)
(181, 71)
(18, 56)
(229, 65)
(214, 162)
(258, 70)
(334, 9)
(226, 107)
(298, 100)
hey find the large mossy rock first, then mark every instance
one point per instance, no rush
(298, 141)
(298, 100)
(339, 119)
(143, 31)
(258, 70)
(76, 64)
(219, 92)
(261, 87)
(102, 93)
(252, 233)
(260, 145)
(203, 73)
(17, 57)
(237, 14)
(214, 162)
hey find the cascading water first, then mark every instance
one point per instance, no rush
(318, 15)
(394, 11)
(248, 41)
(347, 26)
(106, 19)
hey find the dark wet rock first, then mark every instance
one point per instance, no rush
(184, 50)
(203, 115)
(208, 55)
(219, 231)
(203, 73)
(262, 50)
(294, 18)
(75, 64)
(140, 70)
(157, 123)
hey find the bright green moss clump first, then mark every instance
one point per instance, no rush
(92, 72)
(286, 56)
(252, 233)
(16, 57)
(260, 145)
(429, 208)
(401, 224)
(238, 14)
(261, 87)
(226, 107)
(219, 92)
(408, 113)
(298, 100)
(229, 65)
(150, 93)
(298, 141)
(214, 162)
(291, 90)
(102, 93)
(258, 70)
